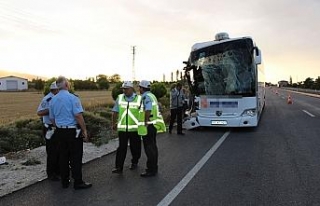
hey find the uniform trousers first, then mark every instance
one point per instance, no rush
(71, 152)
(52, 149)
(151, 149)
(176, 113)
(135, 148)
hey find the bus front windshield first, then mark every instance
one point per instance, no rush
(225, 69)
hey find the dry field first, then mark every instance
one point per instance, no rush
(21, 105)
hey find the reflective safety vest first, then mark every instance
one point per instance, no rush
(128, 114)
(155, 117)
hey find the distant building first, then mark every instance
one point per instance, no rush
(13, 83)
(283, 83)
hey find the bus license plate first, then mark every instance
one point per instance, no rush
(218, 122)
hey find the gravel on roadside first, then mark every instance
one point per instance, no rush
(14, 175)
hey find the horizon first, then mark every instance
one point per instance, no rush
(34, 76)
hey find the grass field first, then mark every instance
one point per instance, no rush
(21, 105)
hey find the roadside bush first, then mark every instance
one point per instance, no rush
(159, 90)
(165, 103)
(99, 128)
(5, 136)
(116, 90)
(104, 111)
(94, 119)
(14, 139)
(27, 133)
(34, 125)
(22, 122)
(103, 136)
(105, 114)
(31, 138)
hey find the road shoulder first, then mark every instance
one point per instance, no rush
(15, 176)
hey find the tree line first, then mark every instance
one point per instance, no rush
(100, 82)
(308, 83)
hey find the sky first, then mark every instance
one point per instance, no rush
(83, 38)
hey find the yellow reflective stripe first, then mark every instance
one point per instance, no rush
(149, 122)
(153, 100)
(130, 103)
(126, 108)
(152, 122)
(136, 121)
(157, 121)
(121, 118)
(129, 126)
(122, 101)
(160, 120)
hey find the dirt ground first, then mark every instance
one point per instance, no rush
(22, 105)
(14, 175)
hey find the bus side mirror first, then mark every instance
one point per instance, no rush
(257, 55)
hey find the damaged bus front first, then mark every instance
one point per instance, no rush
(227, 83)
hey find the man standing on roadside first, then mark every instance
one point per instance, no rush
(125, 121)
(52, 149)
(66, 114)
(176, 108)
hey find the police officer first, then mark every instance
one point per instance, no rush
(66, 114)
(53, 171)
(153, 120)
(125, 120)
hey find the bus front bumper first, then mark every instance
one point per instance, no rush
(246, 121)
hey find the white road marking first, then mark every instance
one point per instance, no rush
(184, 182)
(308, 113)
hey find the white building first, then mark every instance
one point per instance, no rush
(283, 83)
(13, 83)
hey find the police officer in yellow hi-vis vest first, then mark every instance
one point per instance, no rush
(125, 120)
(151, 123)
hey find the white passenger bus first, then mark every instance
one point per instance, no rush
(226, 80)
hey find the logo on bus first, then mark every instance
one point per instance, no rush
(218, 113)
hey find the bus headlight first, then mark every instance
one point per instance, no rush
(249, 112)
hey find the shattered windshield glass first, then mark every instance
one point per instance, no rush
(225, 69)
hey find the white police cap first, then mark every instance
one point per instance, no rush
(144, 84)
(53, 85)
(126, 84)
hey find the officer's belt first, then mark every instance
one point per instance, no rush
(67, 127)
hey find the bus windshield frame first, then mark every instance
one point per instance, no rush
(225, 68)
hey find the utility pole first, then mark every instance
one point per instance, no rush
(133, 61)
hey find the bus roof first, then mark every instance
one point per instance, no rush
(201, 45)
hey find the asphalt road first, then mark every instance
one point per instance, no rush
(277, 163)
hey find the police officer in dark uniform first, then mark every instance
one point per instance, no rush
(65, 112)
(52, 149)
